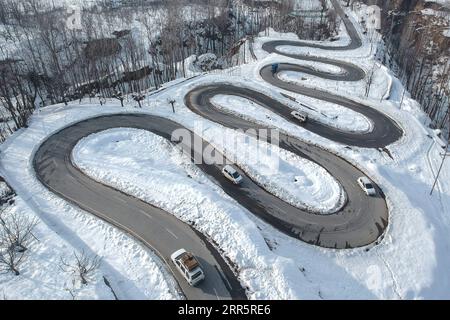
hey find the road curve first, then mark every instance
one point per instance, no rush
(385, 130)
(157, 229)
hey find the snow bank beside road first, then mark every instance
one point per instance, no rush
(298, 181)
(330, 114)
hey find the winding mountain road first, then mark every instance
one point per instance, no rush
(160, 231)
(360, 222)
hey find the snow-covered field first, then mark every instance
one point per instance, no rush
(412, 261)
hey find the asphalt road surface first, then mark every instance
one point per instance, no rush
(159, 230)
(362, 220)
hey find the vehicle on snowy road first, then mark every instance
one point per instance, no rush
(367, 186)
(231, 174)
(300, 116)
(188, 265)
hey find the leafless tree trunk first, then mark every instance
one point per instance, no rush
(16, 234)
(82, 266)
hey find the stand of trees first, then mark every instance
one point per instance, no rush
(125, 49)
(418, 52)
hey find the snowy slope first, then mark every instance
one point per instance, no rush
(133, 271)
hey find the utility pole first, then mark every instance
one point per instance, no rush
(442, 163)
(403, 96)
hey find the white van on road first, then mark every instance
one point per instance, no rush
(367, 186)
(300, 116)
(188, 265)
(231, 174)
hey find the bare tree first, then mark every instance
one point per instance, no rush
(138, 98)
(172, 103)
(82, 266)
(16, 234)
(119, 96)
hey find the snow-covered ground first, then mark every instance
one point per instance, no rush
(133, 271)
(442, 2)
(411, 262)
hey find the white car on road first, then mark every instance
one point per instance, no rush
(367, 186)
(188, 265)
(300, 116)
(231, 174)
